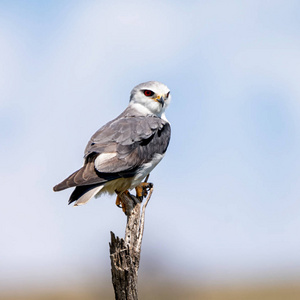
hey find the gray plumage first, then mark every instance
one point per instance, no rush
(119, 149)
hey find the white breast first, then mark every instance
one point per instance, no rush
(145, 170)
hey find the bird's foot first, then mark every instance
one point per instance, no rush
(119, 201)
(126, 201)
(142, 190)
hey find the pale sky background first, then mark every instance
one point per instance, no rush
(226, 203)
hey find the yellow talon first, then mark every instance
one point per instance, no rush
(142, 190)
(119, 202)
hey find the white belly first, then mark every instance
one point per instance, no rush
(145, 170)
(123, 184)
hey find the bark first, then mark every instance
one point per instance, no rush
(125, 253)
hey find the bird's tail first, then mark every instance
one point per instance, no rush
(82, 194)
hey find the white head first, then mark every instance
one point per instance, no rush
(151, 97)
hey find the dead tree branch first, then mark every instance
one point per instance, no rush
(125, 253)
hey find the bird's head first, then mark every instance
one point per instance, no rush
(151, 97)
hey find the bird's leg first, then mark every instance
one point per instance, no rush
(126, 201)
(119, 201)
(142, 190)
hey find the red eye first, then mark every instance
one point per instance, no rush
(148, 93)
(168, 94)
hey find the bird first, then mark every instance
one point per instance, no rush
(123, 152)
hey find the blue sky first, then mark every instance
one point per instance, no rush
(227, 192)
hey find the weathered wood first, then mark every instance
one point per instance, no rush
(125, 253)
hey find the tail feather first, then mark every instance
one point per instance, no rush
(82, 194)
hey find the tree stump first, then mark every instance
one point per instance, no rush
(125, 253)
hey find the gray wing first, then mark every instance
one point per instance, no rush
(119, 148)
(126, 143)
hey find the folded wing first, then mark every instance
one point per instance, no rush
(119, 149)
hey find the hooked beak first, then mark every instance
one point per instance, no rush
(161, 100)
